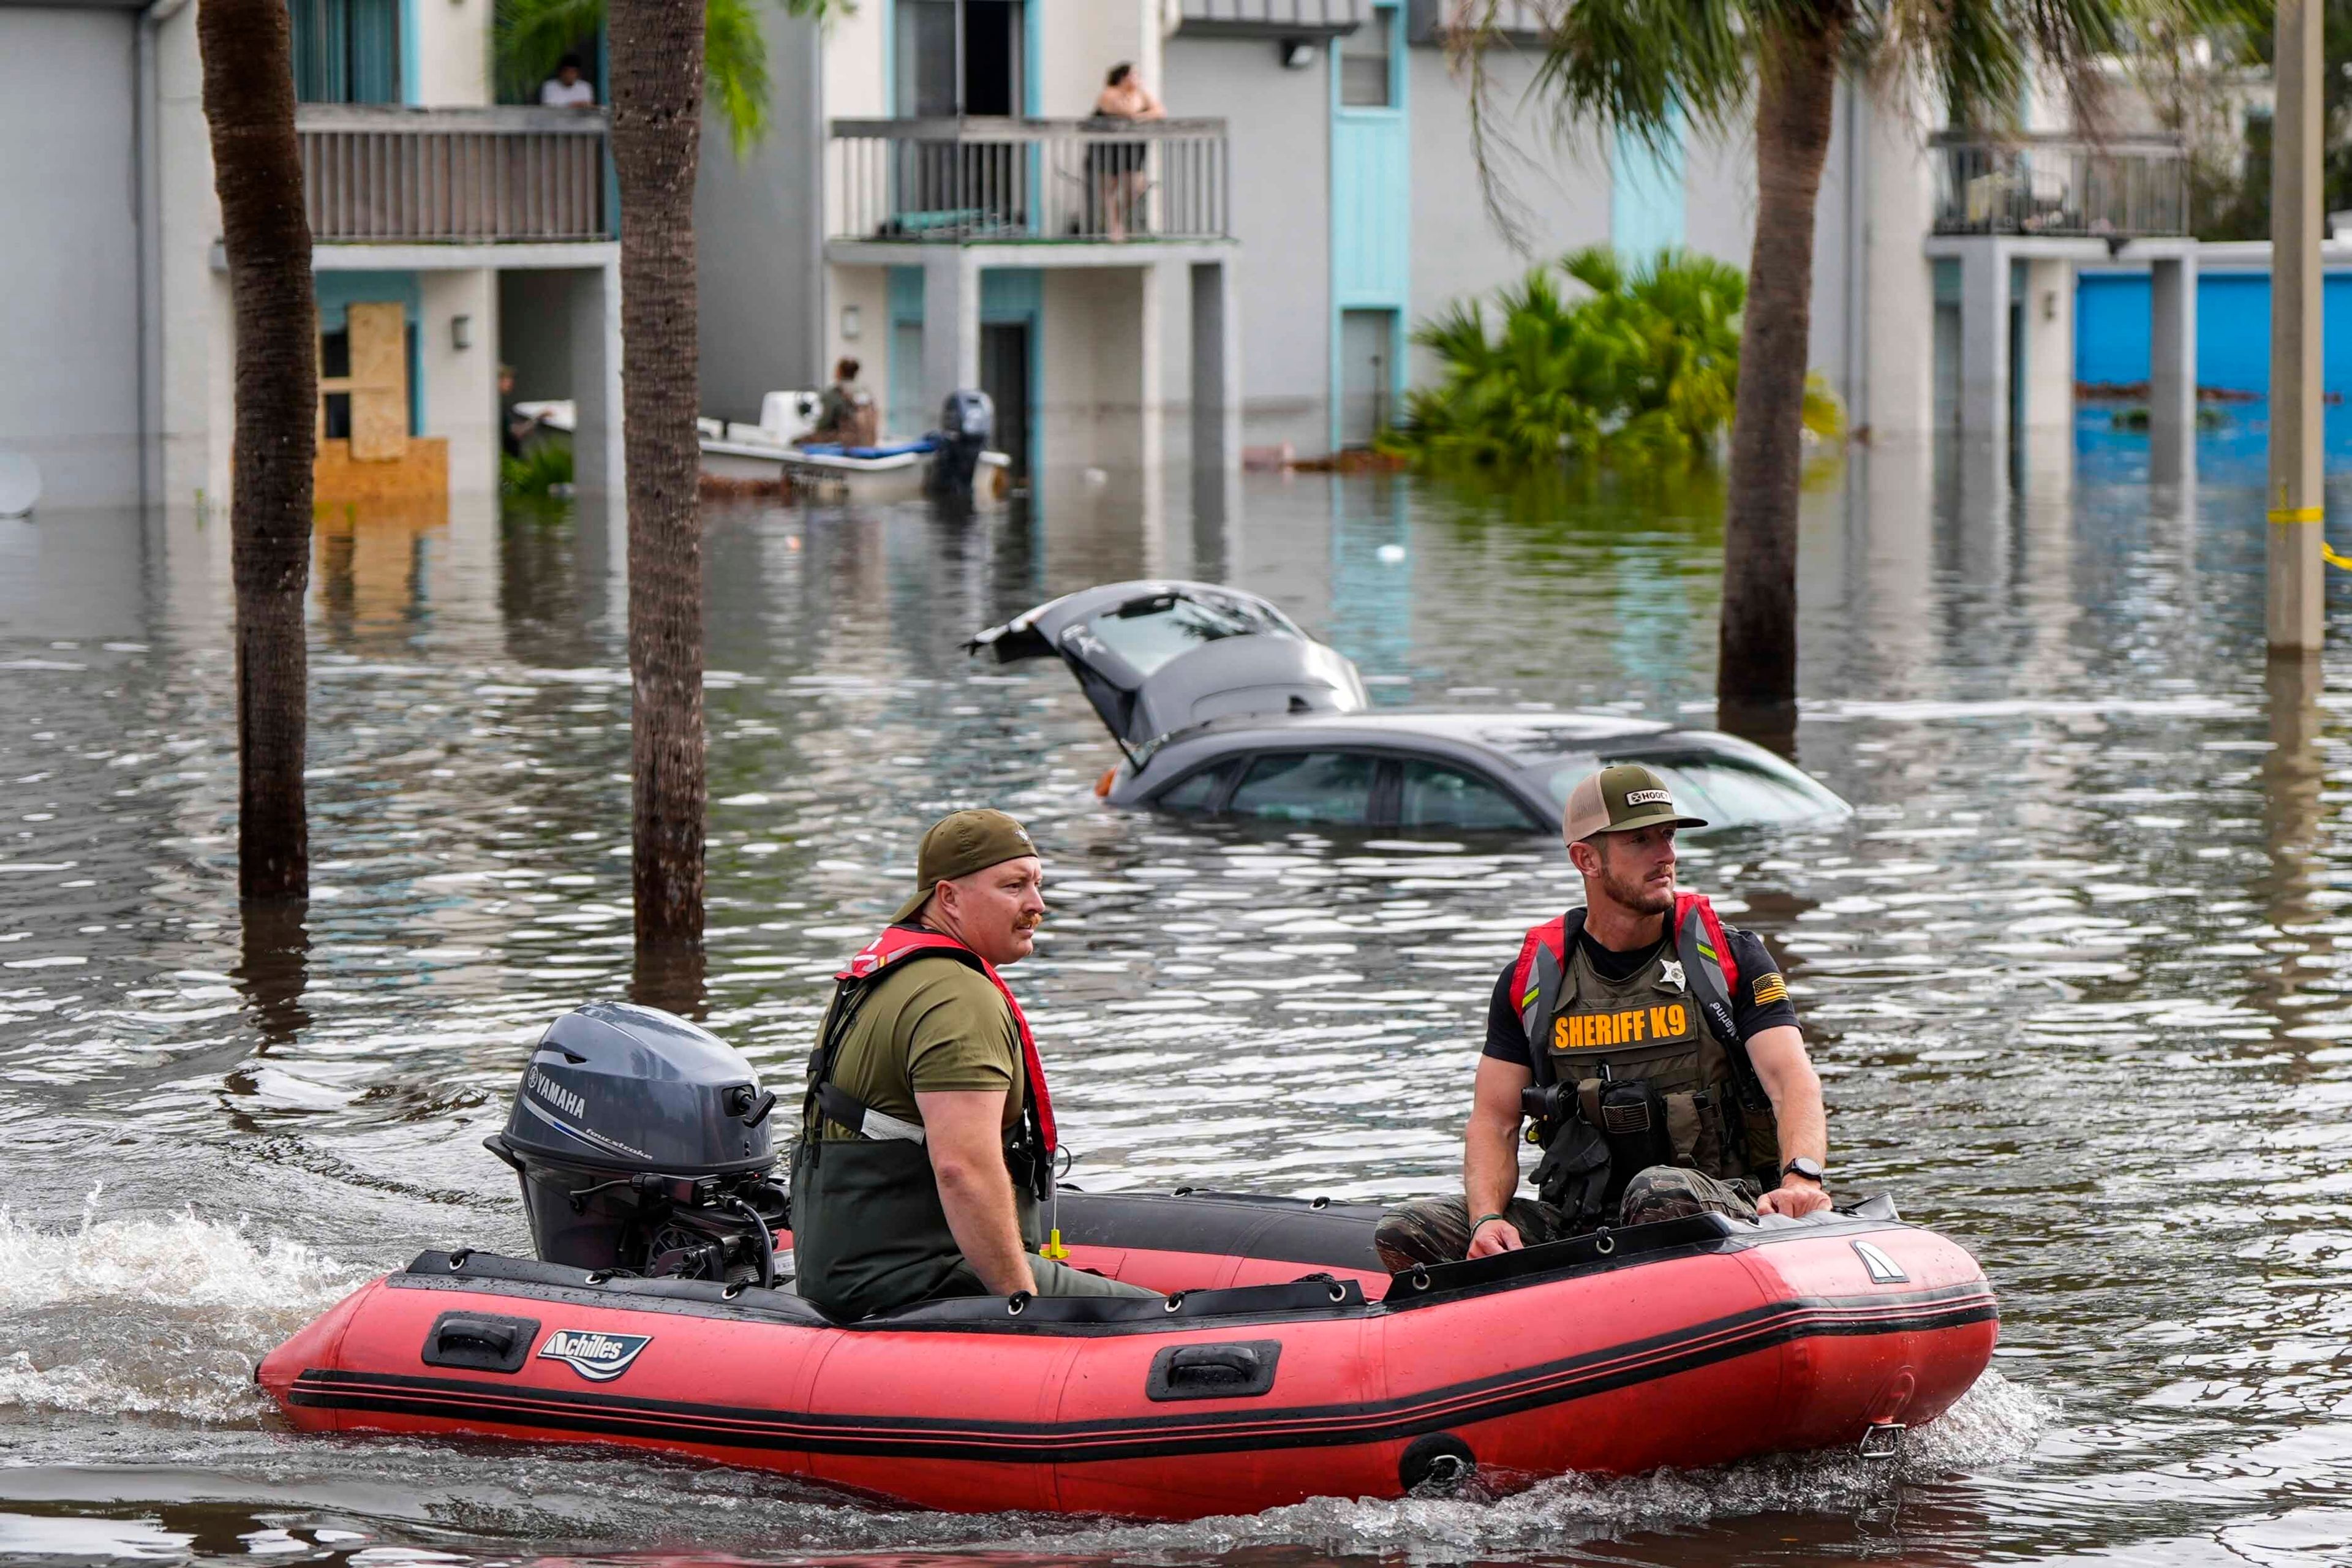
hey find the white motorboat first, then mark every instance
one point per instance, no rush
(773, 450)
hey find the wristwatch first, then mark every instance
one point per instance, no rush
(1806, 1167)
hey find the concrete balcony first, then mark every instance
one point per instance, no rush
(2061, 186)
(995, 181)
(384, 174)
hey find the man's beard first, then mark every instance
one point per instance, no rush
(1639, 897)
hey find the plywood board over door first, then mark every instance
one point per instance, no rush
(379, 382)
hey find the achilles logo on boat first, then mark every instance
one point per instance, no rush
(1883, 1270)
(599, 1358)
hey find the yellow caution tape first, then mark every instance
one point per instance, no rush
(2327, 553)
(2298, 514)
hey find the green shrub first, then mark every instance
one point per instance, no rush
(1644, 367)
(545, 463)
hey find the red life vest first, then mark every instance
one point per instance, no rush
(1553, 935)
(898, 943)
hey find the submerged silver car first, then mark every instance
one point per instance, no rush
(1223, 707)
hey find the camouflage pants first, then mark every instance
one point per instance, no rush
(1437, 1230)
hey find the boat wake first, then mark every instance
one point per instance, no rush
(150, 1315)
(1995, 1423)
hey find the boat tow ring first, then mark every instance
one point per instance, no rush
(1881, 1440)
(1436, 1462)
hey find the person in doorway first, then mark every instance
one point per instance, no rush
(926, 1133)
(515, 426)
(1655, 1050)
(1116, 169)
(568, 88)
(846, 413)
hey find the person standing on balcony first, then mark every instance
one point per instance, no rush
(567, 89)
(1116, 169)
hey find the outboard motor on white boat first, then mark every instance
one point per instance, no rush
(645, 1145)
(966, 424)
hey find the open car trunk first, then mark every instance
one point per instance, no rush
(1155, 657)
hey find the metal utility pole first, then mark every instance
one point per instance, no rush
(2297, 599)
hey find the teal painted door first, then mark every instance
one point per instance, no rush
(1371, 209)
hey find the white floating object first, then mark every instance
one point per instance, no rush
(20, 484)
(1391, 553)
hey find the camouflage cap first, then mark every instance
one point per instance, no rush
(1618, 800)
(958, 844)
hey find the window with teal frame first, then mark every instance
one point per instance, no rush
(346, 51)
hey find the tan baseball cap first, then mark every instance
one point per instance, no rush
(1619, 799)
(958, 844)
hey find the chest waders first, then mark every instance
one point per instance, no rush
(868, 1230)
(1644, 1071)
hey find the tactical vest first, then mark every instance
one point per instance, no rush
(1654, 1062)
(868, 1230)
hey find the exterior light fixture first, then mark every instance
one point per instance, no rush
(461, 331)
(853, 322)
(1297, 54)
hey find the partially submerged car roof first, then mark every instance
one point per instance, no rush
(1157, 657)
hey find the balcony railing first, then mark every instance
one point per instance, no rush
(987, 181)
(2061, 186)
(388, 174)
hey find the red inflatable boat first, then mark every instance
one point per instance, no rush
(1689, 1343)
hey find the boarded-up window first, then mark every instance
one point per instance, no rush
(370, 401)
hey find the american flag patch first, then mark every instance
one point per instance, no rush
(1770, 987)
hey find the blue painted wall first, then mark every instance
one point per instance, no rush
(2233, 330)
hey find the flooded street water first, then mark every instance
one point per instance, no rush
(2078, 975)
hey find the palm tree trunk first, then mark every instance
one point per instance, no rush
(248, 86)
(1756, 673)
(656, 143)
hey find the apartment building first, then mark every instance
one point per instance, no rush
(451, 232)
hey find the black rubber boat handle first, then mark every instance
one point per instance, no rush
(479, 1342)
(489, 1332)
(1230, 1371)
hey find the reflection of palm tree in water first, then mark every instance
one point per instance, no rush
(2292, 780)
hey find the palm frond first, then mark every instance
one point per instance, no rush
(528, 37)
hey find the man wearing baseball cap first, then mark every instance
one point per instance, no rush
(1654, 1049)
(927, 1132)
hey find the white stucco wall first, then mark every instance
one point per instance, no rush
(1559, 192)
(197, 352)
(68, 267)
(461, 385)
(1280, 125)
(1082, 39)
(757, 240)
(453, 52)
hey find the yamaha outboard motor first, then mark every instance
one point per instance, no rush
(966, 424)
(645, 1145)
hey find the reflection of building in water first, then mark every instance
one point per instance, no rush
(1371, 576)
(370, 573)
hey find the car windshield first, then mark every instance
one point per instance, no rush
(1727, 793)
(1148, 633)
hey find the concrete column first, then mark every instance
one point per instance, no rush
(1216, 366)
(2048, 372)
(2172, 366)
(461, 384)
(1150, 392)
(597, 461)
(2297, 616)
(1984, 339)
(950, 328)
